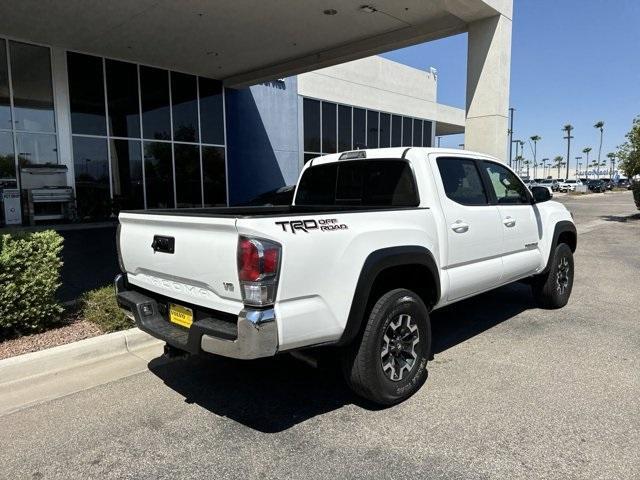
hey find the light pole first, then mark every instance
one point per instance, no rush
(567, 128)
(544, 167)
(511, 110)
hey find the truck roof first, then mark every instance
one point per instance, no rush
(392, 153)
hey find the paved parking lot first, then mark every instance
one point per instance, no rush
(513, 392)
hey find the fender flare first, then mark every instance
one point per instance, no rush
(561, 227)
(376, 262)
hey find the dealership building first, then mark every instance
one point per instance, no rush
(154, 108)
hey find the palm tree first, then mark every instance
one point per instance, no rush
(600, 126)
(558, 163)
(586, 151)
(527, 162)
(596, 164)
(567, 128)
(535, 139)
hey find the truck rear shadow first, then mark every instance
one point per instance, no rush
(272, 395)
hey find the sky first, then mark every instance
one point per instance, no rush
(572, 61)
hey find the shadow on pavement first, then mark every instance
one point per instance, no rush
(619, 218)
(272, 395)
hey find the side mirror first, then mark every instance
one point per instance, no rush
(540, 194)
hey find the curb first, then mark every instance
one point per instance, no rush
(73, 355)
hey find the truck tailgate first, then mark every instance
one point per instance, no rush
(202, 268)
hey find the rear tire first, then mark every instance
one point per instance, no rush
(553, 289)
(388, 362)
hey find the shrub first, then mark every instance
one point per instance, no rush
(100, 307)
(636, 193)
(29, 277)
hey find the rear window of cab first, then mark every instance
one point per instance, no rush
(371, 183)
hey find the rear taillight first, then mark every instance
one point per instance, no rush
(258, 266)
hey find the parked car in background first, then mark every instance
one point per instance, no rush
(623, 183)
(551, 183)
(569, 185)
(596, 186)
(608, 184)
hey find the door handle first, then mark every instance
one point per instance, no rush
(459, 226)
(509, 222)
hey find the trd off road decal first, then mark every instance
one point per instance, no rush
(324, 225)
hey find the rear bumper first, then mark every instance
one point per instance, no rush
(253, 334)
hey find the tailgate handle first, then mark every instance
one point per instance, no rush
(163, 244)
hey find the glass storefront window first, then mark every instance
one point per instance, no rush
(329, 127)
(396, 131)
(426, 133)
(372, 129)
(184, 102)
(407, 131)
(385, 130)
(91, 166)
(32, 88)
(417, 132)
(344, 128)
(7, 161)
(122, 97)
(86, 94)
(359, 128)
(311, 113)
(5, 100)
(211, 111)
(156, 114)
(158, 174)
(188, 187)
(36, 149)
(126, 174)
(213, 176)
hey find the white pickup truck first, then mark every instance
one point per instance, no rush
(374, 241)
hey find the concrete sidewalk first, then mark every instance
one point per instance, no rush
(36, 377)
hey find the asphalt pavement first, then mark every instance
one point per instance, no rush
(513, 392)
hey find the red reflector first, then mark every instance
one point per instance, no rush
(248, 261)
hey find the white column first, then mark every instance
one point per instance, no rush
(488, 69)
(62, 109)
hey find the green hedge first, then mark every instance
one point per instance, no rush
(636, 193)
(29, 277)
(100, 307)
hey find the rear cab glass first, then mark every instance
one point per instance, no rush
(367, 183)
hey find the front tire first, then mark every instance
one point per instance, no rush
(388, 362)
(553, 289)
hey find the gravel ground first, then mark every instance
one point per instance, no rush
(77, 330)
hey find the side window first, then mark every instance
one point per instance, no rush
(462, 182)
(507, 186)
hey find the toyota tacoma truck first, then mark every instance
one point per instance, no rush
(374, 241)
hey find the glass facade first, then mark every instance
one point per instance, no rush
(144, 137)
(329, 127)
(27, 118)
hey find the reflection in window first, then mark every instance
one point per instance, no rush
(417, 132)
(426, 133)
(36, 149)
(329, 133)
(385, 127)
(86, 94)
(5, 102)
(184, 100)
(187, 168)
(359, 128)
(32, 90)
(506, 185)
(214, 176)
(407, 131)
(311, 109)
(158, 174)
(7, 161)
(156, 116)
(372, 129)
(211, 111)
(126, 173)
(344, 128)
(122, 95)
(396, 131)
(461, 181)
(91, 166)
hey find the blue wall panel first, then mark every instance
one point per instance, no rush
(262, 138)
